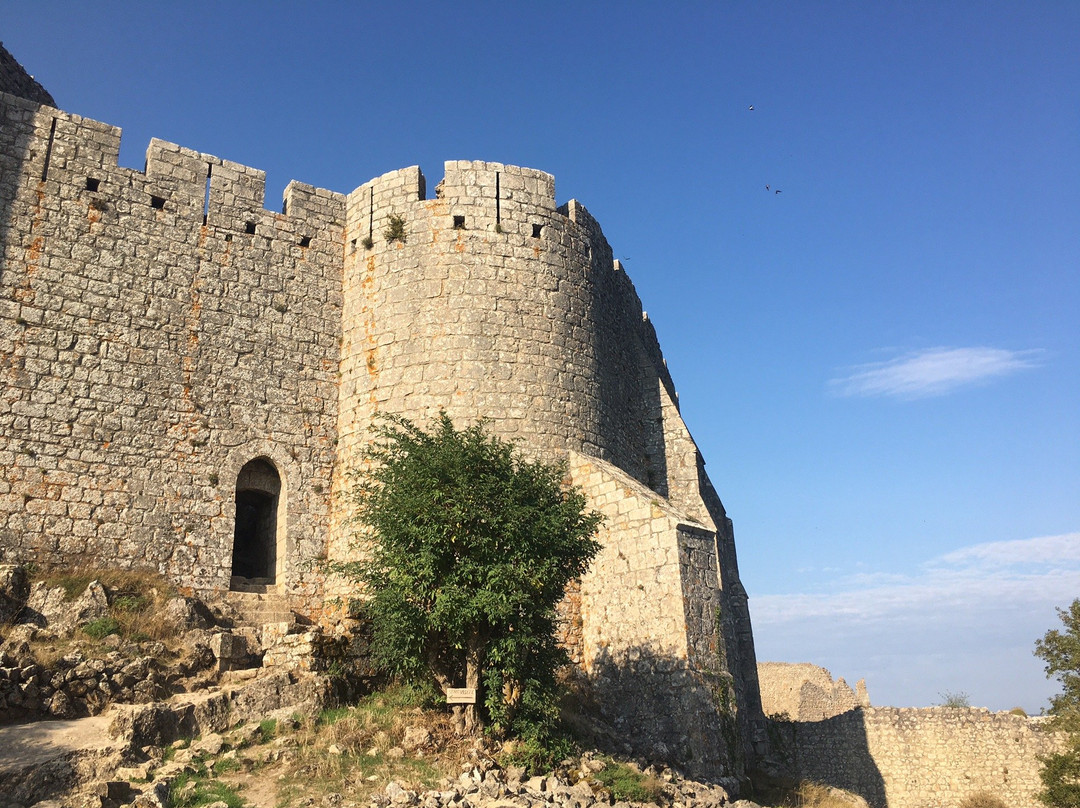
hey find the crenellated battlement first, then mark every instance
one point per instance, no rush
(496, 207)
(204, 189)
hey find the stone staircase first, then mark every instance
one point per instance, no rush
(262, 629)
(256, 605)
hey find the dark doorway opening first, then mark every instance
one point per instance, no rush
(255, 536)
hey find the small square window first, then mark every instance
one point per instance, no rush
(249, 228)
(305, 241)
(92, 183)
(157, 202)
(459, 222)
(536, 230)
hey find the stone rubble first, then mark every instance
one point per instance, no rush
(91, 676)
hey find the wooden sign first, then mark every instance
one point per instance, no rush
(461, 695)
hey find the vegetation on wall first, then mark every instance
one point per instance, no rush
(1060, 650)
(395, 229)
(468, 547)
(957, 699)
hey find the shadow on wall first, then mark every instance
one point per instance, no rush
(14, 141)
(834, 752)
(661, 710)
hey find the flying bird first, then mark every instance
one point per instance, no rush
(751, 107)
(767, 188)
(777, 190)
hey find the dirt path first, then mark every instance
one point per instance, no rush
(36, 743)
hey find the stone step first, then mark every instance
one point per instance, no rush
(257, 608)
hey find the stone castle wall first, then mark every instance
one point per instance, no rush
(158, 330)
(519, 312)
(930, 757)
(161, 330)
(651, 637)
(497, 303)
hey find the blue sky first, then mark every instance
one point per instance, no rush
(881, 363)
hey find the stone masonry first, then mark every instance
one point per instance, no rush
(824, 731)
(187, 379)
(920, 757)
(800, 691)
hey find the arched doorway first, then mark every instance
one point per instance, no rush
(255, 536)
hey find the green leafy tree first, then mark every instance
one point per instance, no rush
(467, 547)
(1060, 650)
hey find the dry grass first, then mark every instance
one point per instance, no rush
(356, 750)
(816, 795)
(137, 600)
(121, 582)
(982, 799)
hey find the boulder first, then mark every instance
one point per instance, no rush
(188, 614)
(416, 738)
(49, 606)
(14, 591)
(60, 706)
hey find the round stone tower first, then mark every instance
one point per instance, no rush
(488, 301)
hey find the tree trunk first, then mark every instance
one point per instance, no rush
(474, 655)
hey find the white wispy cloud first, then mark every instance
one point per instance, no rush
(965, 620)
(931, 372)
(1003, 573)
(1056, 550)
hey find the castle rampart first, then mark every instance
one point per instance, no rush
(155, 338)
(187, 379)
(921, 757)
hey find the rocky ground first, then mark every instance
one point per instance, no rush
(285, 755)
(122, 693)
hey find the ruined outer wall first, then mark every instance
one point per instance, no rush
(921, 758)
(157, 331)
(804, 692)
(15, 80)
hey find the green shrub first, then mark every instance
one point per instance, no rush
(1060, 650)
(226, 765)
(958, 699)
(395, 229)
(627, 784)
(537, 754)
(101, 628)
(206, 791)
(130, 603)
(468, 546)
(267, 729)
